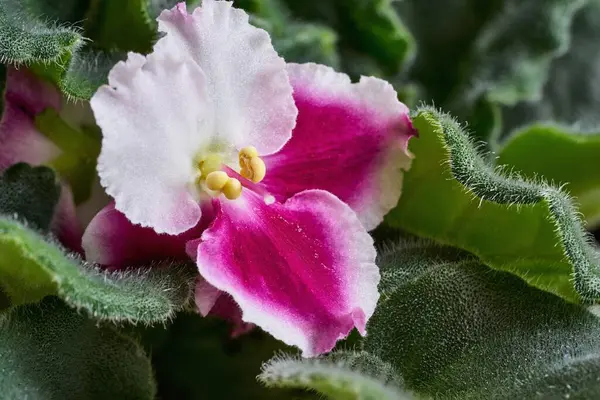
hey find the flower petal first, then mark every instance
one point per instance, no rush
(211, 301)
(304, 271)
(152, 115)
(25, 97)
(350, 139)
(247, 80)
(112, 240)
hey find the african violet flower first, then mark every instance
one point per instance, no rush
(287, 165)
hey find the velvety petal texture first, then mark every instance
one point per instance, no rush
(350, 139)
(304, 270)
(112, 240)
(152, 116)
(247, 81)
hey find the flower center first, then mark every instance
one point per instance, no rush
(217, 178)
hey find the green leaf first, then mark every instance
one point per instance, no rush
(366, 28)
(32, 267)
(452, 195)
(341, 375)
(49, 351)
(455, 329)
(561, 156)
(30, 194)
(511, 56)
(199, 360)
(570, 96)
(493, 52)
(26, 35)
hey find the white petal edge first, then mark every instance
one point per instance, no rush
(246, 79)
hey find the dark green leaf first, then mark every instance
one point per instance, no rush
(456, 329)
(49, 351)
(452, 195)
(30, 194)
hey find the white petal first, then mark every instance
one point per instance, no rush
(247, 80)
(152, 116)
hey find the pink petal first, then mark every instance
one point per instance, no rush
(25, 97)
(112, 240)
(246, 79)
(304, 271)
(210, 301)
(350, 139)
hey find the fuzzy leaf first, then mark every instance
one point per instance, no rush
(342, 375)
(49, 351)
(30, 194)
(26, 35)
(456, 329)
(32, 267)
(452, 195)
(562, 156)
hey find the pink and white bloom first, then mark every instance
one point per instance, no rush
(294, 162)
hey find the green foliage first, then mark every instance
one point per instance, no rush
(370, 32)
(27, 37)
(32, 267)
(452, 195)
(571, 95)
(199, 360)
(49, 351)
(562, 156)
(474, 56)
(29, 193)
(455, 329)
(341, 375)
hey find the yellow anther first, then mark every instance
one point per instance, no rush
(258, 169)
(216, 180)
(248, 152)
(251, 165)
(210, 163)
(232, 189)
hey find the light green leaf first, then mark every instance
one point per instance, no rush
(561, 156)
(50, 351)
(30, 194)
(339, 376)
(452, 195)
(32, 267)
(455, 329)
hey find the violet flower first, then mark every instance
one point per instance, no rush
(271, 173)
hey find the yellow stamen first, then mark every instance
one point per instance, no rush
(216, 180)
(232, 189)
(252, 166)
(248, 152)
